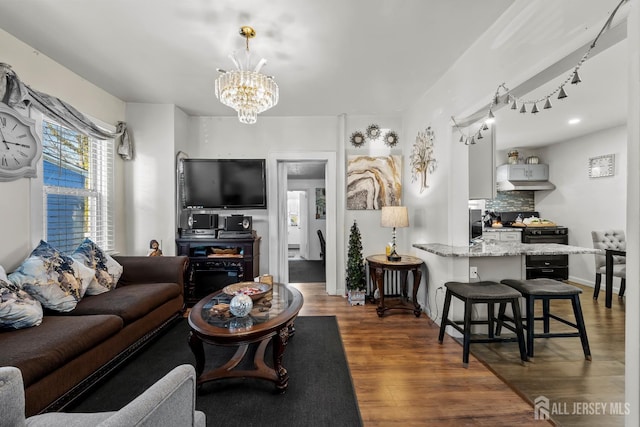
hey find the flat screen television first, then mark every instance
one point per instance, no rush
(224, 184)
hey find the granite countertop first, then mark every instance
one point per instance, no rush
(510, 229)
(496, 249)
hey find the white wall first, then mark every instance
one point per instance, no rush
(150, 177)
(581, 203)
(313, 224)
(506, 53)
(632, 337)
(374, 237)
(41, 73)
(226, 137)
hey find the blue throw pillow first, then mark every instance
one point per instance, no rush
(107, 270)
(53, 278)
(17, 308)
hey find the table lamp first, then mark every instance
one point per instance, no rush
(394, 216)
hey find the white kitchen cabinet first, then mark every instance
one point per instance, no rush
(482, 167)
(510, 236)
(523, 172)
(502, 235)
(491, 235)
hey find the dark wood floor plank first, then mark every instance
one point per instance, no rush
(404, 377)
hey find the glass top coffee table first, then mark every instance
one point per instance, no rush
(271, 319)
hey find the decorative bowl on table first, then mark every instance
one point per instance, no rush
(255, 290)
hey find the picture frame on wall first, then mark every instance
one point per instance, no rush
(602, 166)
(321, 203)
(374, 182)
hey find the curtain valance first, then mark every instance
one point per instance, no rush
(14, 92)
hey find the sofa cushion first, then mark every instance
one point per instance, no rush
(18, 309)
(129, 302)
(39, 351)
(107, 270)
(53, 278)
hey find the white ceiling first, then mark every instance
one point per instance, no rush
(328, 57)
(599, 101)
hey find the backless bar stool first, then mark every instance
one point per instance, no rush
(488, 293)
(547, 290)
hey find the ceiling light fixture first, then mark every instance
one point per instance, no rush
(574, 121)
(245, 89)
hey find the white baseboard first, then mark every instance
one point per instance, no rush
(616, 283)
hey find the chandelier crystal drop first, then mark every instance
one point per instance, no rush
(245, 89)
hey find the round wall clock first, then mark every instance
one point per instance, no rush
(20, 146)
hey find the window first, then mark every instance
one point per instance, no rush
(78, 188)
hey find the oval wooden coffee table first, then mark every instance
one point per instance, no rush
(272, 319)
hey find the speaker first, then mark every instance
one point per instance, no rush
(203, 221)
(238, 223)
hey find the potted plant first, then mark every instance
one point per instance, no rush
(356, 278)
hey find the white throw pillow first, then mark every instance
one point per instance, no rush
(17, 308)
(53, 278)
(107, 270)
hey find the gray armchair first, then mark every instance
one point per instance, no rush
(610, 239)
(169, 402)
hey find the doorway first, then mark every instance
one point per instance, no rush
(292, 174)
(297, 221)
(306, 190)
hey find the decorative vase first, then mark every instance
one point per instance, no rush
(240, 305)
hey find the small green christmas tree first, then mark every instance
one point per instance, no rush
(355, 264)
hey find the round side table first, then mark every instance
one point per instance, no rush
(378, 264)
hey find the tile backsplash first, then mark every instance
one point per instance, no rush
(512, 201)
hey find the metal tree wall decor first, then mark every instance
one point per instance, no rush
(422, 158)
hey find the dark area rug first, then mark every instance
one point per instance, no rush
(320, 390)
(303, 271)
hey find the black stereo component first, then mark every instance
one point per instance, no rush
(203, 221)
(238, 223)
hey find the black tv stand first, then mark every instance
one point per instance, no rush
(217, 262)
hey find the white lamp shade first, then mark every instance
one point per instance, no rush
(394, 216)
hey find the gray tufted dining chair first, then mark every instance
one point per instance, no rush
(610, 239)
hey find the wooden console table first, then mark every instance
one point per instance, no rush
(378, 264)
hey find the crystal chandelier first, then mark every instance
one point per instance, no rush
(245, 89)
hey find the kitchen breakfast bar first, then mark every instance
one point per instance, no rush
(501, 260)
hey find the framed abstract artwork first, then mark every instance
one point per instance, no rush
(321, 203)
(374, 182)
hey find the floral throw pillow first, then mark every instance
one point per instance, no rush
(107, 270)
(17, 308)
(53, 278)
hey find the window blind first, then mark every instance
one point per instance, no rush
(78, 188)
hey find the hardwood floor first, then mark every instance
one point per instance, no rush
(559, 371)
(403, 377)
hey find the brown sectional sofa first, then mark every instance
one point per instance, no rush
(70, 351)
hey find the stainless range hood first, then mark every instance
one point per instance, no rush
(525, 185)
